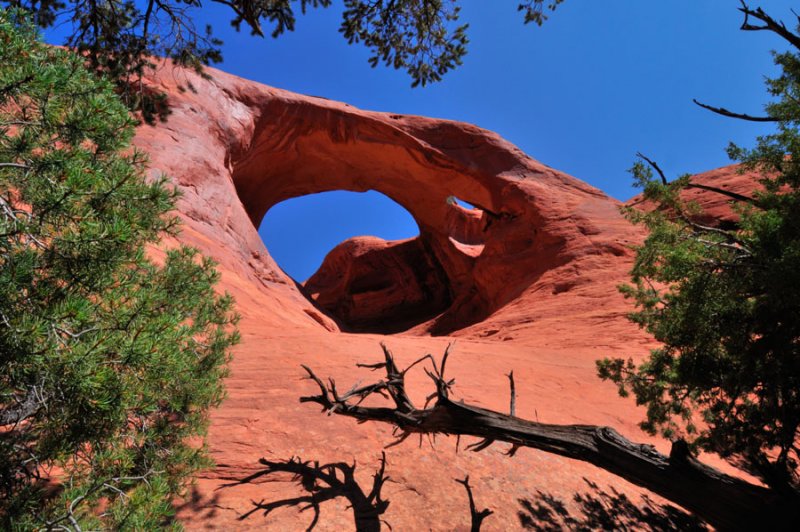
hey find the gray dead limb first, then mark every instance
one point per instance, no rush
(723, 501)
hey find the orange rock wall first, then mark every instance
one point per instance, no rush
(526, 281)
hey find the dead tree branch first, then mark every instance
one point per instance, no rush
(741, 116)
(733, 195)
(655, 167)
(14, 165)
(725, 502)
(512, 407)
(769, 24)
(21, 408)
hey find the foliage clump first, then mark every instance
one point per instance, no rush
(109, 361)
(120, 38)
(724, 300)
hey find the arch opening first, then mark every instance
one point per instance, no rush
(359, 258)
(466, 224)
(435, 283)
(301, 231)
(461, 203)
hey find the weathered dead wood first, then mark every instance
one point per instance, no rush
(21, 408)
(725, 502)
(741, 116)
(655, 167)
(732, 195)
(769, 24)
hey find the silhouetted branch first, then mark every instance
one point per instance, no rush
(476, 517)
(324, 483)
(654, 165)
(250, 12)
(733, 195)
(741, 116)
(722, 500)
(770, 24)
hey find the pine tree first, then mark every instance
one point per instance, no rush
(120, 38)
(109, 361)
(725, 302)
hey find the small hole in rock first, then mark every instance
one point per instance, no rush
(465, 225)
(461, 203)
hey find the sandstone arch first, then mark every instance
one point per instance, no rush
(299, 150)
(483, 258)
(545, 282)
(365, 283)
(536, 230)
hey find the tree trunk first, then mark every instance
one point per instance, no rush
(725, 502)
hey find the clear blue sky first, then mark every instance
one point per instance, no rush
(598, 82)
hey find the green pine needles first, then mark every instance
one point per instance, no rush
(109, 361)
(121, 38)
(724, 301)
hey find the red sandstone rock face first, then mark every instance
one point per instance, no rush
(263, 146)
(715, 209)
(369, 284)
(527, 281)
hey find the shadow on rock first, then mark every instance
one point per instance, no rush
(324, 483)
(603, 510)
(207, 507)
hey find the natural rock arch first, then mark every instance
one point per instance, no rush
(554, 250)
(301, 151)
(464, 258)
(365, 283)
(245, 147)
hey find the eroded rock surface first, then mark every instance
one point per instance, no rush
(373, 285)
(525, 281)
(715, 209)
